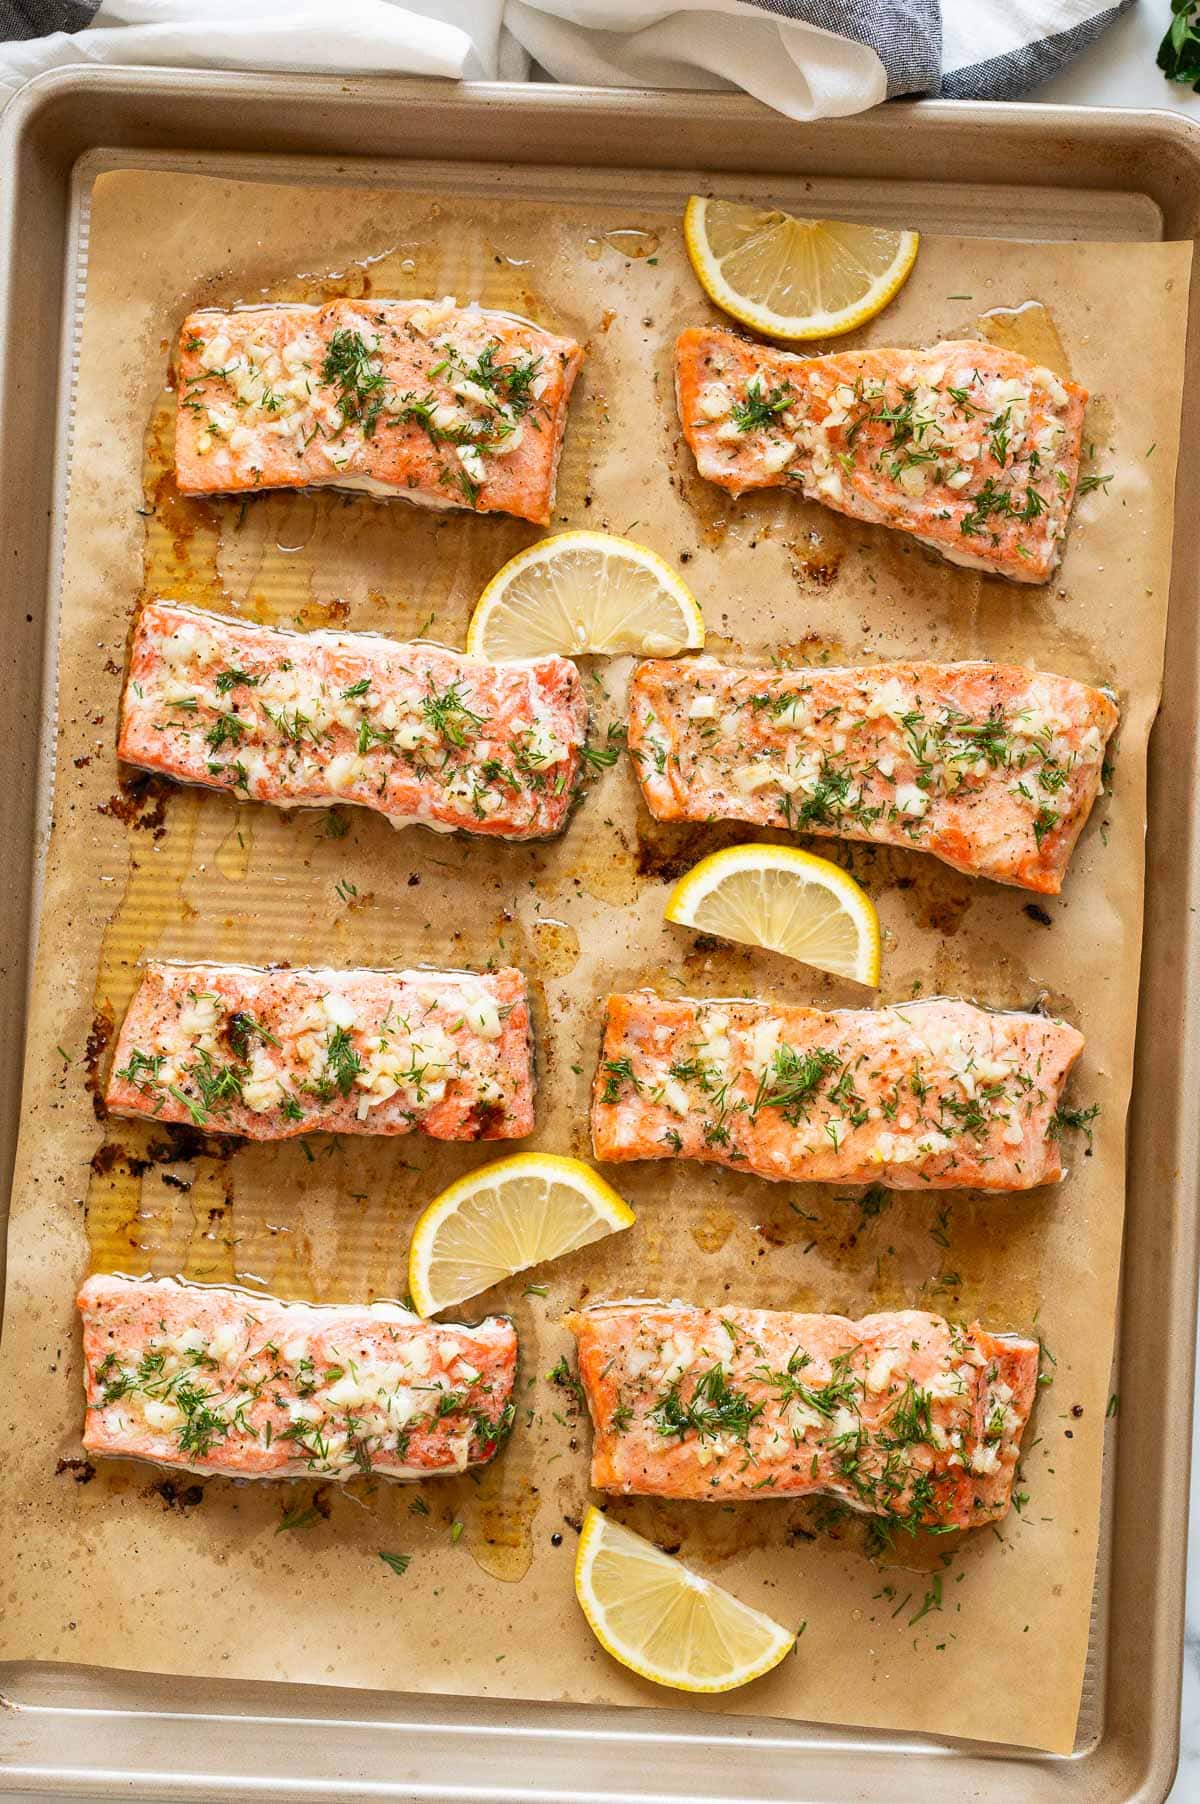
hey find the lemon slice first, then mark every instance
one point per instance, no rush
(794, 278)
(585, 592)
(665, 1622)
(787, 901)
(503, 1218)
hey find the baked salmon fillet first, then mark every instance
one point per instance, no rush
(971, 449)
(933, 1095)
(443, 405)
(902, 1415)
(416, 732)
(272, 1054)
(224, 1381)
(992, 768)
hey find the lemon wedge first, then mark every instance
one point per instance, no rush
(503, 1218)
(667, 1623)
(585, 592)
(786, 901)
(794, 278)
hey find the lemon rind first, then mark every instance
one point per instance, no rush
(698, 883)
(788, 328)
(542, 550)
(609, 1207)
(593, 1530)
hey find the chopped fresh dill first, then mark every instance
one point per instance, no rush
(359, 381)
(759, 410)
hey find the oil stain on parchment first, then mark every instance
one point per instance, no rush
(328, 1219)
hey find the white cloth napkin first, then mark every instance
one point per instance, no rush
(810, 59)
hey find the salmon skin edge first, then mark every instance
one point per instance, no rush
(225, 1382)
(269, 1053)
(810, 1081)
(418, 766)
(1000, 434)
(460, 409)
(1017, 823)
(901, 1414)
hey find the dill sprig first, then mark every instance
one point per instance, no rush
(713, 1408)
(450, 716)
(792, 1081)
(359, 381)
(759, 410)
(342, 1064)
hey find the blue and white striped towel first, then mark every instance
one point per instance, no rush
(810, 59)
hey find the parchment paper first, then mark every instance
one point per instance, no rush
(120, 1568)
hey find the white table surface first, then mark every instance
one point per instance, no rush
(1120, 71)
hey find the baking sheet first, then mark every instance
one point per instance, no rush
(190, 875)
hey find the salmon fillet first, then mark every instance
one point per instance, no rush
(902, 1415)
(416, 732)
(933, 1095)
(971, 449)
(443, 405)
(272, 1054)
(223, 1381)
(992, 768)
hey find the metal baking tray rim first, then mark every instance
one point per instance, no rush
(132, 109)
